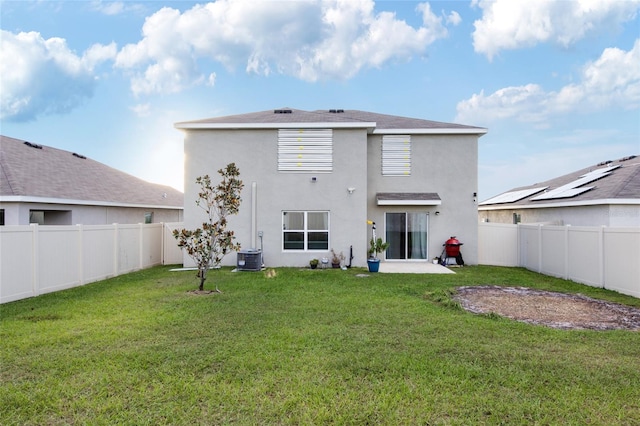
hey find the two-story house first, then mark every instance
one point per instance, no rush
(314, 178)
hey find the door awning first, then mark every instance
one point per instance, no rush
(408, 199)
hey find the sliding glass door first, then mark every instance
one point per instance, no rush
(406, 234)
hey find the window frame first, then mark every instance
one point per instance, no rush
(305, 231)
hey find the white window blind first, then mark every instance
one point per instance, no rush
(305, 150)
(396, 155)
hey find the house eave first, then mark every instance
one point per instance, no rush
(252, 126)
(431, 131)
(370, 126)
(61, 201)
(409, 202)
(408, 199)
(609, 201)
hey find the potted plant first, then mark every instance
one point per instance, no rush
(313, 263)
(375, 246)
(336, 259)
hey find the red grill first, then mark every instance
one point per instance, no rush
(452, 247)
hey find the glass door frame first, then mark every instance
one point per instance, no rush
(405, 251)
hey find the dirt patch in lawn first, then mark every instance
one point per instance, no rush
(203, 292)
(557, 310)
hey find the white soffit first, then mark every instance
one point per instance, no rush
(575, 188)
(513, 196)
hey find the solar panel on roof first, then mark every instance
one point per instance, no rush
(574, 188)
(513, 196)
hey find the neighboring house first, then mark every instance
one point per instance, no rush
(49, 186)
(313, 179)
(606, 194)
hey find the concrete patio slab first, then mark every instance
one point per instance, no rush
(413, 268)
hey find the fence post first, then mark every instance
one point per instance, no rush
(80, 254)
(140, 245)
(601, 255)
(566, 252)
(115, 249)
(518, 242)
(539, 249)
(35, 276)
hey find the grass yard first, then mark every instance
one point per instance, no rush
(307, 347)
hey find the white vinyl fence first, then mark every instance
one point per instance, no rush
(597, 256)
(42, 259)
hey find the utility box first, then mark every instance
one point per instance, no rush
(249, 260)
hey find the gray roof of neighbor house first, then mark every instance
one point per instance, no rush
(29, 171)
(609, 182)
(330, 118)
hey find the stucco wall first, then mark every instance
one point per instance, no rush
(446, 164)
(207, 151)
(599, 215)
(18, 214)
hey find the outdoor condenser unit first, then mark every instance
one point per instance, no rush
(249, 260)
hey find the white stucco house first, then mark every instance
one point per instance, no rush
(605, 194)
(49, 186)
(313, 179)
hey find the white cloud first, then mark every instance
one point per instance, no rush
(613, 80)
(309, 40)
(211, 81)
(109, 7)
(113, 8)
(142, 110)
(39, 76)
(508, 24)
(454, 18)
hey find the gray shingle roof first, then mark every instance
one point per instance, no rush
(290, 115)
(29, 171)
(622, 183)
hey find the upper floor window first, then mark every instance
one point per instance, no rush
(305, 230)
(305, 150)
(396, 155)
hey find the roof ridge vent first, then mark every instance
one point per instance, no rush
(336, 111)
(33, 145)
(282, 111)
(75, 154)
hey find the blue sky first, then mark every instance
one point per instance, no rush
(557, 83)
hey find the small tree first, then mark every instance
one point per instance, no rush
(208, 245)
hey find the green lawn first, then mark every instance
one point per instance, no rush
(307, 347)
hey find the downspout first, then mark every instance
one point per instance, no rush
(254, 214)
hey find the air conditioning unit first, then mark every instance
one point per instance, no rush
(249, 260)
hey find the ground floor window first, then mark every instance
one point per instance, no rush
(148, 217)
(406, 234)
(305, 230)
(50, 217)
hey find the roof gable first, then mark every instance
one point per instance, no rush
(32, 170)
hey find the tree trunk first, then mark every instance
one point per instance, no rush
(203, 277)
